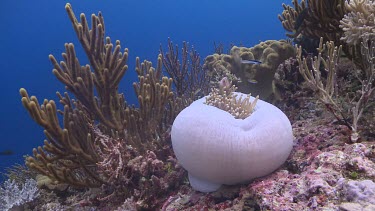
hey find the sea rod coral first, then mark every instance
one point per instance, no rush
(327, 88)
(102, 139)
(190, 80)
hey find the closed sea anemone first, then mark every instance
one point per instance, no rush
(216, 147)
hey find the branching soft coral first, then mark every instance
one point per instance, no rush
(359, 22)
(100, 133)
(314, 18)
(326, 88)
(190, 80)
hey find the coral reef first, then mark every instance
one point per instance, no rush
(350, 26)
(322, 172)
(105, 154)
(254, 78)
(103, 141)
(327, 91)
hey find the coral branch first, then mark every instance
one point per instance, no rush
(188, 76)
(326, 89)
(109, 66)
(101, 136)
(70, 155)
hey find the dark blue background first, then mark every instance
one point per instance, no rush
(31, 30)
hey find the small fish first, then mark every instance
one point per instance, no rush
(250, 62)
(252, 81)
(7, 152)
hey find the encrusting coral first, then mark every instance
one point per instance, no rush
(103, 140)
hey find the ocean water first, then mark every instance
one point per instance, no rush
(31, 30)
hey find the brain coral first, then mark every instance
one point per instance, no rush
(254, 78)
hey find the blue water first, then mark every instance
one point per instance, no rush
(31, 30)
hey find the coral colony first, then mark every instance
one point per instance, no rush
(194, 142)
